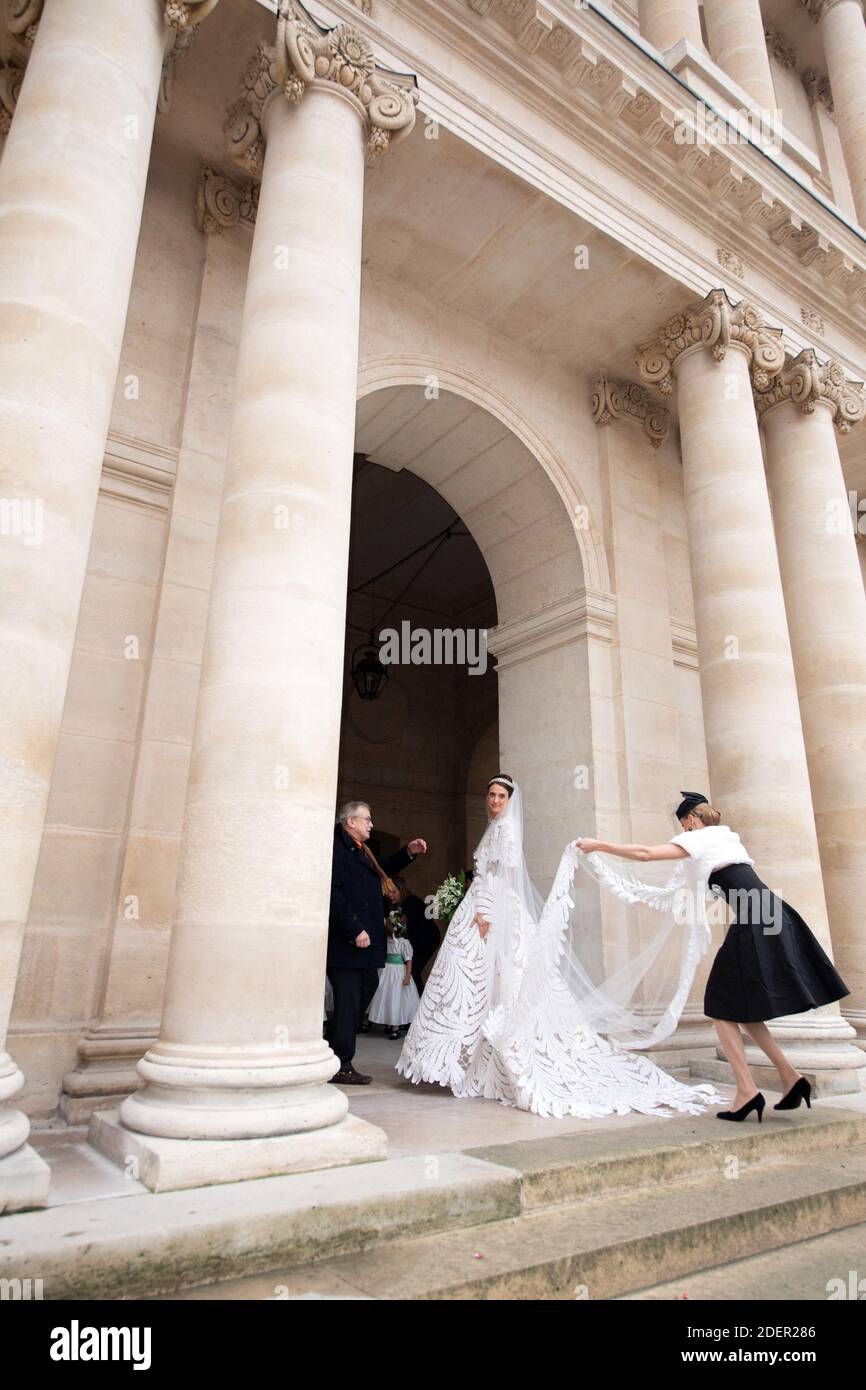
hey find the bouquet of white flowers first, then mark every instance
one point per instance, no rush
(448, 897)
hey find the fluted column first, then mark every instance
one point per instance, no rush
(664, 23)
(735, 37)
(240, 1055)
(755, 747)
(826, 608)
(72, 182)
(843, 32)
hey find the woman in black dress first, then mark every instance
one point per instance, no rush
(769, 964)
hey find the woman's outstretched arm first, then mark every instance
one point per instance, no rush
(643, 853)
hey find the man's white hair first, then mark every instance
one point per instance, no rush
(351, 808)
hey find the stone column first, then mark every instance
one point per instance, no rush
(826, 609)
(844, 35)
(633, 429)
(755, 748)
(237, 1085)
(735, 37)
(130, 1003)
(664, 23)
(72, 184)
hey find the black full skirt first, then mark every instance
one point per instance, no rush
(769, 963)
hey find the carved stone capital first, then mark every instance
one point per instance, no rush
(716, 323)
(186, 14)
(221, 203)
(805, 380)
(818, 8)
(304, 53)
(779, 48)
(182, 18)
(11, 78)
(20, 19)
(626, 400)
(818, 89)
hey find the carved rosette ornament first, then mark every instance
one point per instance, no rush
(718, 324)
(220, 203)
(304, 54)
(806, 381)
(624, 400)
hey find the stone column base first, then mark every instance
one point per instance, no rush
(824, 1081)
(857, 1019)
(24, 1180)
(104, 1075)
(164, 1165)
(820, 1044)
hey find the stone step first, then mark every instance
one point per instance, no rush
(597, 1248)
(128, 1247)
(825, 1267)
(194, 1237)
(597, 1162)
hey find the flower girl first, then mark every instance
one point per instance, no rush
(396, 1001)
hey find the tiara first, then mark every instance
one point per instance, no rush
(503, 781)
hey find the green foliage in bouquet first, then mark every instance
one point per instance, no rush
(448, 897)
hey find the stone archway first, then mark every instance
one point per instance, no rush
(538, 542)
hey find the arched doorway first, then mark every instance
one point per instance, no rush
(535, 549)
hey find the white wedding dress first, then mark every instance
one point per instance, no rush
(499, 1018)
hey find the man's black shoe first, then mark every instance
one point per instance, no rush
(350, 1077)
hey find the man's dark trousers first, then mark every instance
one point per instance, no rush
(353, 991)
(356, 906)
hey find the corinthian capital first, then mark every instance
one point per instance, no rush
(10, 85)
(818, 8)
(716, 323)
(186, 14)
(626, 400)
(220, 203)
(305, 53)
(805, 380)
(182, 18)
(21, 20)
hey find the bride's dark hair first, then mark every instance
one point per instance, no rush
(502, 779)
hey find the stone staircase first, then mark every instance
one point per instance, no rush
(608, 1215)
(656, 1210)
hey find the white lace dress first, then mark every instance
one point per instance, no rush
(504, 1024)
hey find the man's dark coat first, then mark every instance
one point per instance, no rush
(357, 904)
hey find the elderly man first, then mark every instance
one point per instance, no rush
(360, 889)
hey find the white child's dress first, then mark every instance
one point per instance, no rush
(394, 1003)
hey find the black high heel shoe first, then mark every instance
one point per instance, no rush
(801, 1090)
(756, 1103)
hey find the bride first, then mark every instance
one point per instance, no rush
(508, 1012)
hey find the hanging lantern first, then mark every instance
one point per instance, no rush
(369, 676)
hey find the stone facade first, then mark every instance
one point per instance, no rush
(481, 242)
